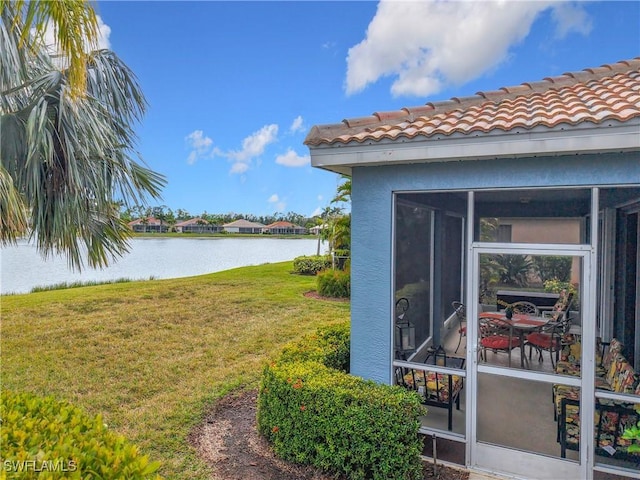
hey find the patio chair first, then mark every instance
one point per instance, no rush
(549, 337)
(526, 308)
(561, 308)
(461, 314)
(496, 335)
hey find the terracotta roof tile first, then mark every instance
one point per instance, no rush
(596, 95)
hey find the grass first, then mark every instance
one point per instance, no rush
(151, 356)
(78, 284)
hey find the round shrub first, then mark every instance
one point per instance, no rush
(329, 346)
(311, 265)
(334, 283)
(46, 438)
(318, 415)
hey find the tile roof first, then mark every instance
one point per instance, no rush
(242, 223)
(596, 95)
(149, 221)
(192, 221)
(282, 224)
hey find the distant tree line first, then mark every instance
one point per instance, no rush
(171, 217)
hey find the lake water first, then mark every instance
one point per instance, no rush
(23, 268)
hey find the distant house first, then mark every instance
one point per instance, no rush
(149, 225)
(284, 228)
(197, 225)
(317, 229)
(243, 226)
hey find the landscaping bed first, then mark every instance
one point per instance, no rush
(229, 443)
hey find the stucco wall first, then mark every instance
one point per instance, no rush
(371, 199)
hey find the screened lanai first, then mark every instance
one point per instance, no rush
(464, 213)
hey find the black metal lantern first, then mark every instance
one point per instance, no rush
(441, 356)
(405, 331)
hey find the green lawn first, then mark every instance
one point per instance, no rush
(150, 356)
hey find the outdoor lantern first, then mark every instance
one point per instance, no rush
(405, 331)
(407, 335)
(441, 356)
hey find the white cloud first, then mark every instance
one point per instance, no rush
(292, 159)
(570, 17)
(199, 144)
(297, 125)
(320, 197)
(239, 167)
(278, 204)
(104, 31)
(429, 44)
(317, 212)
(254, 144)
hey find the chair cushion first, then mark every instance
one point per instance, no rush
(621, 376)
(568, 368)
(437, 386)
(571, 349)
(499, 342)
(615, 348)
(541, 340)
(608, 437)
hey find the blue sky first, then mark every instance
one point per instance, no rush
(234, 87)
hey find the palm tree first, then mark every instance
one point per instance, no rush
(73, 22)
(343, 192)
(66, 156)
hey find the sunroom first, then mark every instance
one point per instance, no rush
(496, 269)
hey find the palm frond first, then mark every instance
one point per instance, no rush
(13, 212)
(69, 156)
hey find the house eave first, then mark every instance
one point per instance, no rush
(516, 143)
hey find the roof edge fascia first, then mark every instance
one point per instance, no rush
(616, 137)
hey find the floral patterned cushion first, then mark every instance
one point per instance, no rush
(615, 349)
(571, 349)
(564, 367)
(609, 438)
(621, 376)
(569, 363)
(432, 386)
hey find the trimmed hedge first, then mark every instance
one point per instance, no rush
(334, 283)
(311, 265)
(315, 414)
(47, 438)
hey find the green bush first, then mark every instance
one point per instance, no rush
(311, 265)
(46, 438)
(334, 283)
(329, 346)
(318, 415)
(556, 286)
(550, 267)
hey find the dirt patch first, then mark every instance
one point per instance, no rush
(229, 442)
(317, 296)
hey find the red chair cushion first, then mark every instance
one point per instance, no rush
(499, 342)
(542, 340)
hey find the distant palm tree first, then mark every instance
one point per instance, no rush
(67, 146)
(343, 192)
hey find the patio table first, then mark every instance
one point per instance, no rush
(520, 324)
